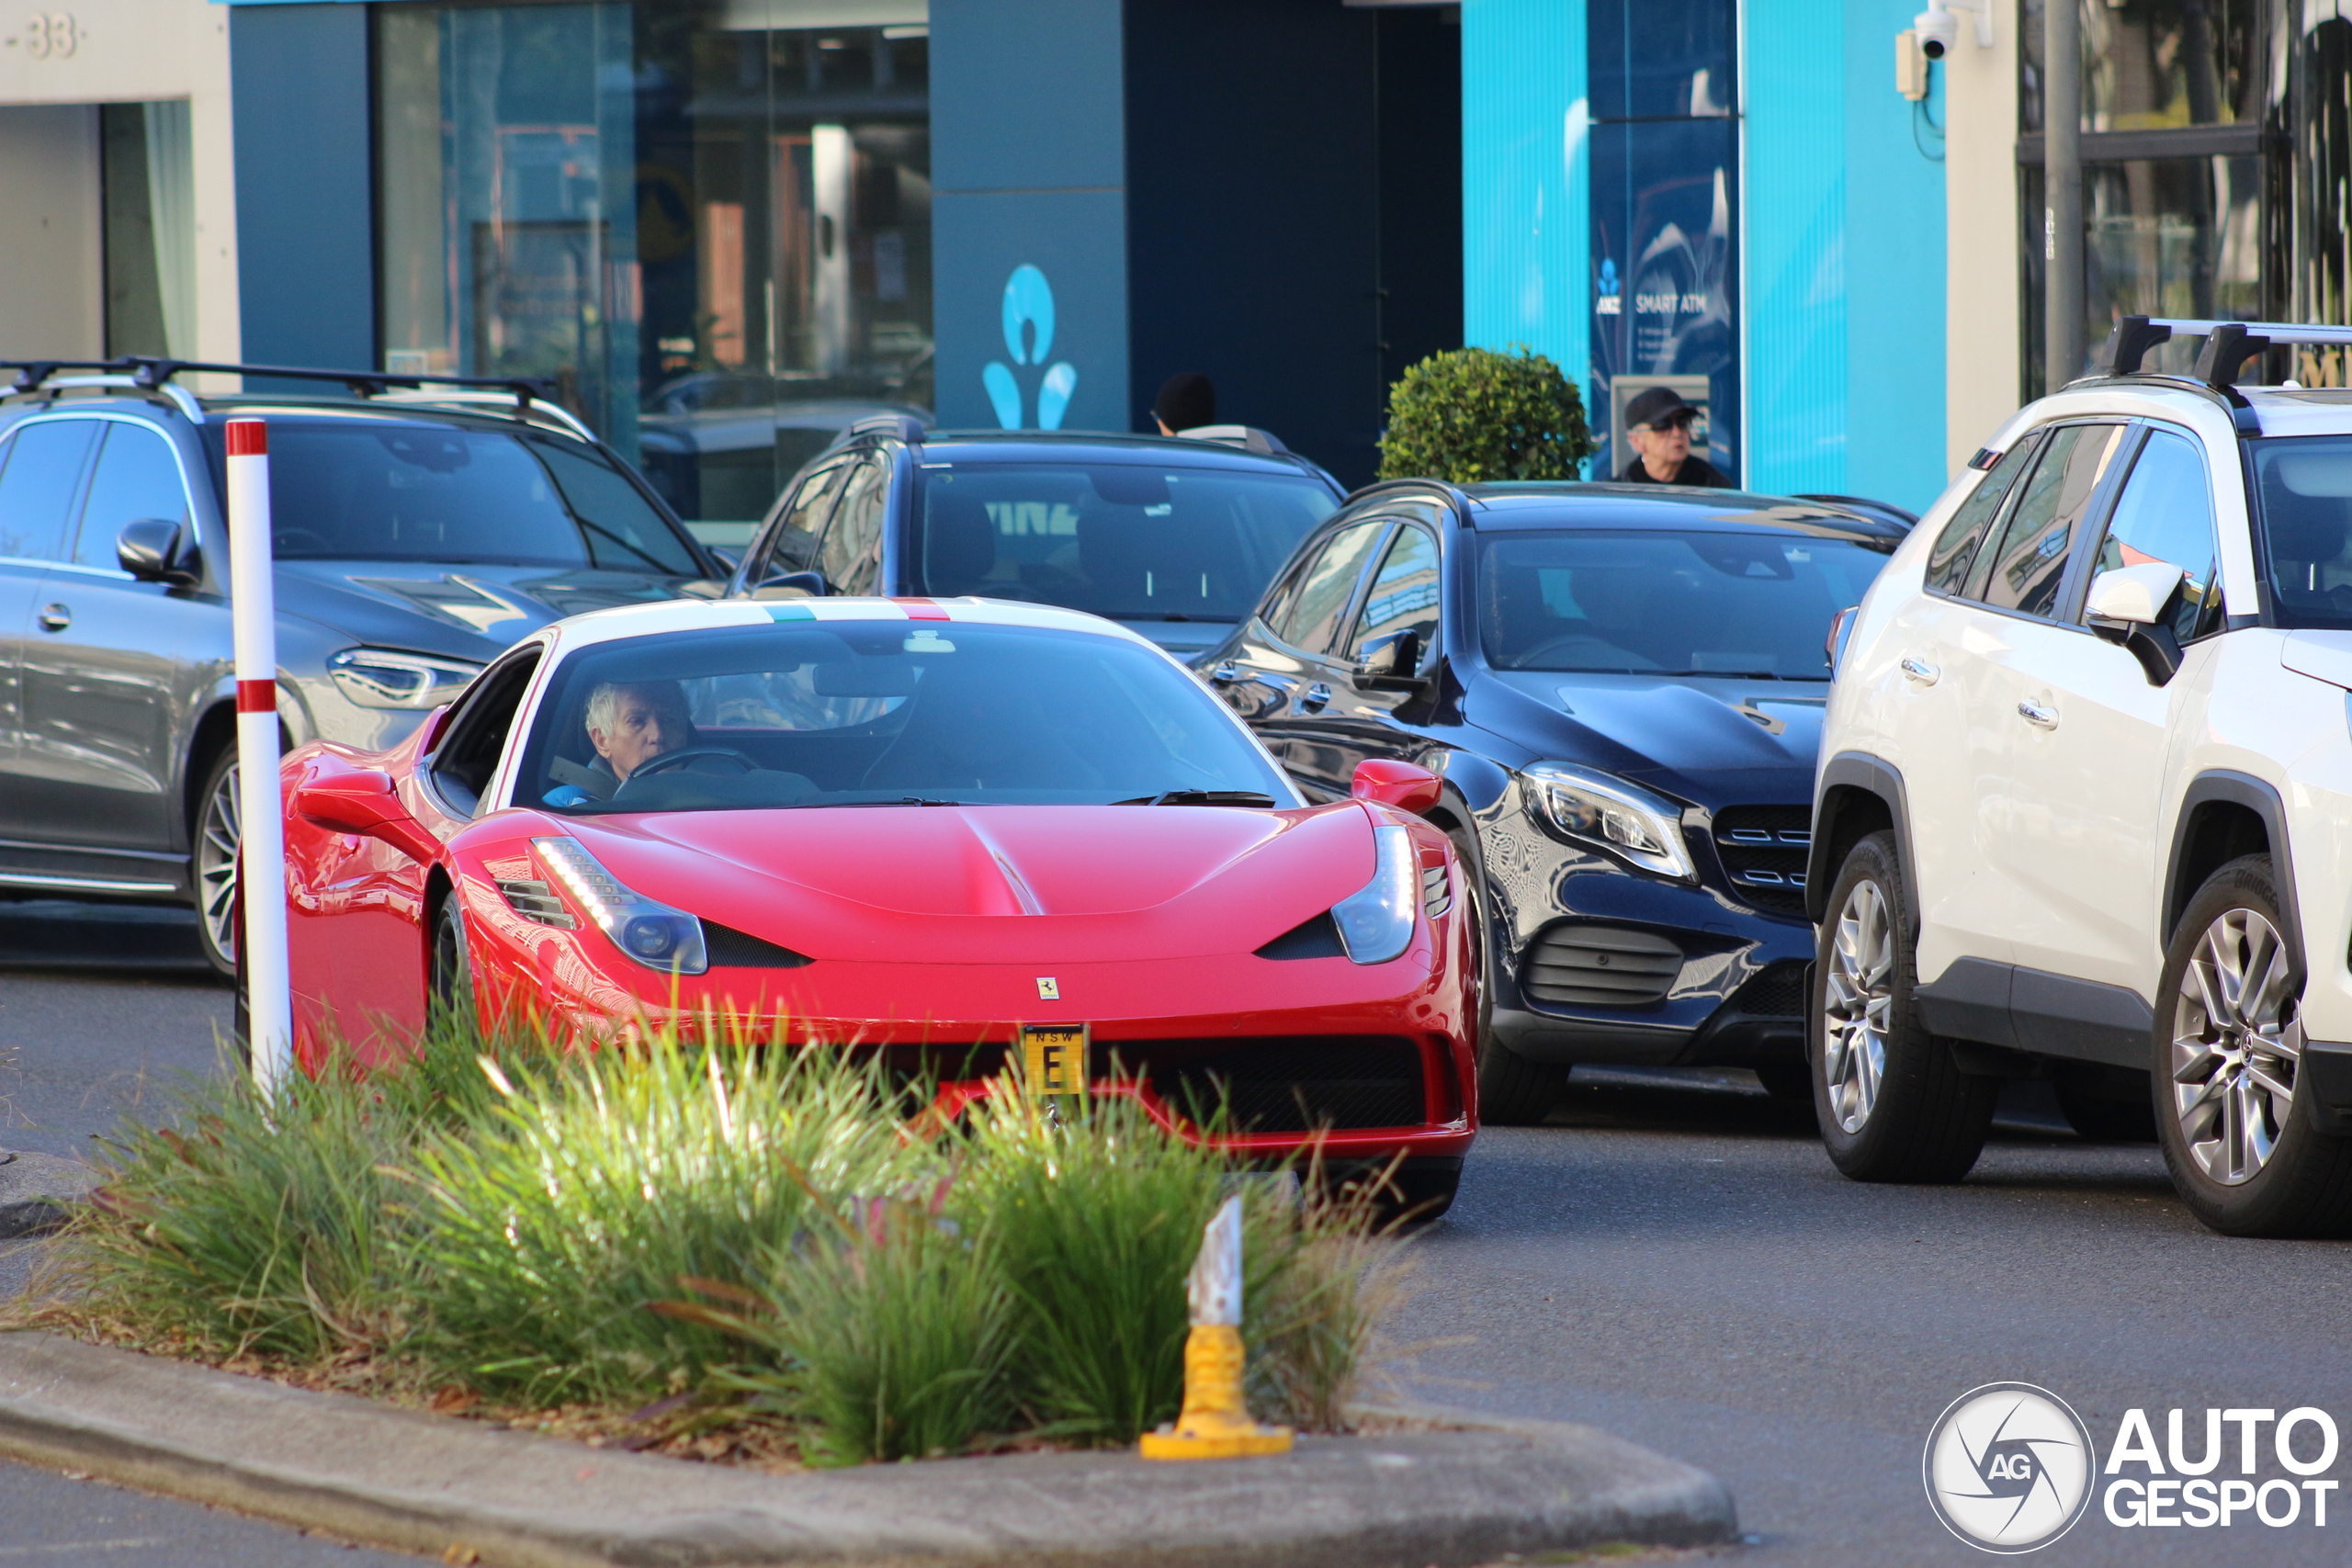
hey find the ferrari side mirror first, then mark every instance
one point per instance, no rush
(1392, 783)
(148, 548)
(359, 800)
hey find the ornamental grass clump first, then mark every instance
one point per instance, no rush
(549, 1227)
(1472, 415)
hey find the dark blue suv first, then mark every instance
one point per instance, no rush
(1621, 687)
(1175, 536)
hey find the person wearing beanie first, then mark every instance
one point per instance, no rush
(1657, 424)
(1186, 402)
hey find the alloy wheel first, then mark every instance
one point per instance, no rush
(2237, 1045)
(219, 831)
(1857, 995)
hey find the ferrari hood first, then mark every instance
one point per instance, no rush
(959, 883)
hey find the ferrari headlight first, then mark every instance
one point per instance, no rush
(1377, 921)
(380, 678)
(654, 934)
(1630, 822)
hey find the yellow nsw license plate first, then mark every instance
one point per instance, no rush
(1055, 1058)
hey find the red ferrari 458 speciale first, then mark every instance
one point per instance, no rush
(982, 836)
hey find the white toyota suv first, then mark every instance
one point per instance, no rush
(2084, 804)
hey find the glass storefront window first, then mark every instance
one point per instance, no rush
(2153, 65)
(706, 221)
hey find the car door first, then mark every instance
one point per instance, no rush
(113, 666)
(1291, 665)
(1916, 696)
(850, 553)
(788, 543)
(1355, 723)
(2088, 774)
(2016, 633)
(42, 465)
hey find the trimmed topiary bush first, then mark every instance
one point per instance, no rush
(1474, 414)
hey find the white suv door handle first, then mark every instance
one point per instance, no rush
(2036, 714)
(1917, 668)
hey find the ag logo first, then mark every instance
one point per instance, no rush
(2008, 1467)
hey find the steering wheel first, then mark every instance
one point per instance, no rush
(684, 754)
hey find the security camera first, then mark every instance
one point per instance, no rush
(1938, 29)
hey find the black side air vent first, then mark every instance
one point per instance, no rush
(1437, 891)
(1599, 966)
(730, 948)
(537, 901)
(1317, 938)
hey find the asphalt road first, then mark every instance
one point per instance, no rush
(1671, 1258)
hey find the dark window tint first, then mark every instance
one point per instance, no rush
(850, 556)
(43, 468)
(1326, 588)
(376, 491)
(1122, 540)
(1696, 603)
(791, 545)
(1957, 546)
(2166, 513)
(2303, 486)
(1404, 592)
(2023, 572)
(137, 477)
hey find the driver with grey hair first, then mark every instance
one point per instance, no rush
(629, 723)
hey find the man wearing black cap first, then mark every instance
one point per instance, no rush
(1659, 424)
(1186, 402)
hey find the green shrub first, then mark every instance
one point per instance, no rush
(1473, 415)
(552, 1226)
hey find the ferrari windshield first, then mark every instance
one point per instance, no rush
(1122, 540)
(884, 713)
(383, 489)
(1669, 604)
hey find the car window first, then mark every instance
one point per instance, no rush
(410, 490)
(41, 471)
(850, 555)
(1672, 604)
(832, 712)
(2303, 489)
(137, 477)
(2166, 513)
(1326, 588)
(791, 545)
(2024, 570)
(1404, 595)
(1957, 546)
(468, 753)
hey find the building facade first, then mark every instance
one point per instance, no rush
(724, 228)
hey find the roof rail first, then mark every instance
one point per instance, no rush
(523, 407)
(905, 427)
(151, 374)
(1248, 438)
(2228, 344)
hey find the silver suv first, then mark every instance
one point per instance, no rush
(2084, 805)
(419, 530)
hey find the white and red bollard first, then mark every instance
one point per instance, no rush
(260, 870)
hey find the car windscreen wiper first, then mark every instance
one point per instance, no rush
(1729, 674)
(1168, 616)
(1203, 798)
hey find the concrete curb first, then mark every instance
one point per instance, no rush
(1436, 1487)
(37, 1192)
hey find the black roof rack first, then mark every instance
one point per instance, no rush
(150, 374)
(905, 427)
(2228, 344)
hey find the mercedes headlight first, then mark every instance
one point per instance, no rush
(654, 934)
(379, 678)
(1377, 921)
(1643, 829)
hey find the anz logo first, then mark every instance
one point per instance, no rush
(1028, 337)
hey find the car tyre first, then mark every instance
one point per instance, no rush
(1512, 1091)
(1893, 1104)
(2233, 1115)
(219, 831)
(449, 998)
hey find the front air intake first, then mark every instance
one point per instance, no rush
(1606, 966)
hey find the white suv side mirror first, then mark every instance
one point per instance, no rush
(2134, 593)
